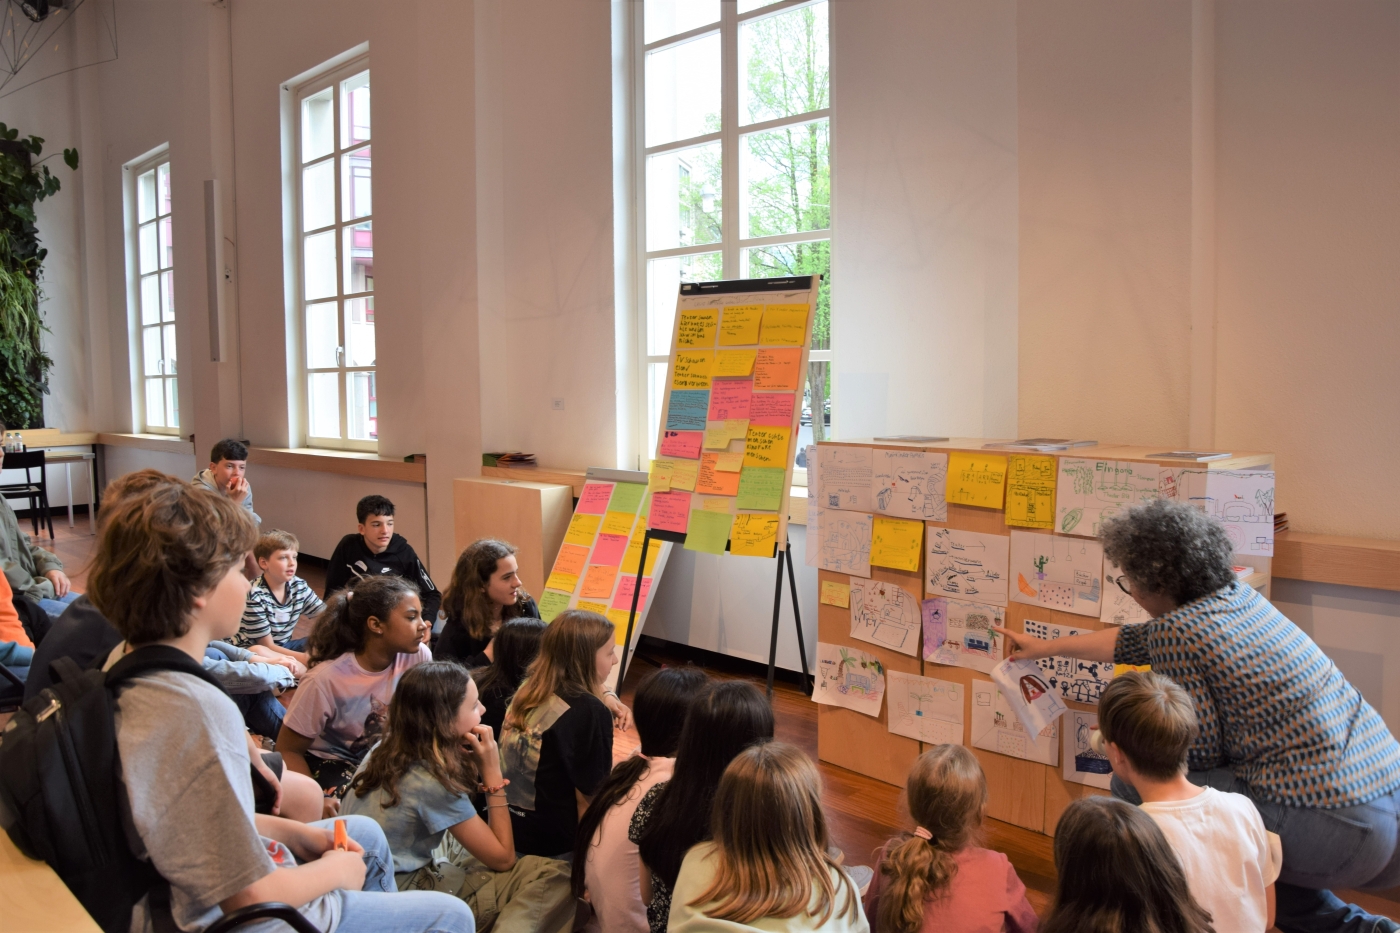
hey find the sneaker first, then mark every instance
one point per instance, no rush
(862, 875)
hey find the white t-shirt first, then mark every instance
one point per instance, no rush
(1228, 856)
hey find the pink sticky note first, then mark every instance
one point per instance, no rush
(609, 550)
(771, 409)
(625, 588)
(670, 511)
(683, 444)
(594, 500)
(729, 398)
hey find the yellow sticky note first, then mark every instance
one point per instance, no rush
(634, 554)
(784, 325)
(736, 428)
(600, 608)
(659, 479)
(766, 446)
(753, 535)
(1030, 491)
(563, 582)
(618, 617)
(583, 528)
(738, 325)
(1120, 669)
(729, 462)
(836, 594)
(692, 369)
(716, 435)
(716, 505)
(896, 543)
(684, 474)
(734, 362)
(697, 327)
(976, 479)
(617, 523)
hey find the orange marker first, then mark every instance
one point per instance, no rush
(342, 839)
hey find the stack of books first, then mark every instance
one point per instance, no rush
(1280, 522)
(508, 458)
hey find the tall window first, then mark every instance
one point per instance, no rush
(336, 231)
(735, 113)
(150, 264)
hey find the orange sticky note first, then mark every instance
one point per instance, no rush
(599, 582)
(692, 370)
(778, 368)
(738, 325)
(784, 324)
(712, 482)
(572, 559)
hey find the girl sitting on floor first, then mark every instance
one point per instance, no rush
(517, 644)
(485, 592)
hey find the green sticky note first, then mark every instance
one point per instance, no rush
(551, 604)
(708, 531)
(761, 488)
(627, 497)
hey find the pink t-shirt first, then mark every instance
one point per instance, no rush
(344, 708)
(986, 896)
(613, 869)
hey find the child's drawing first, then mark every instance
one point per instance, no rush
(966, 565)
(1074, 679)
(845, 542)
(910, 484)
(926, 709)
(1118, 607)
(844, 478)
(996, 727)
(885, 614)
(1024, 687)
(1062, 573)
(849, 678)
(960, 633)
(1084, 765)
(1241, 500)
(1090, 491)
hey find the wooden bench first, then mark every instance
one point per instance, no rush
(36, 900)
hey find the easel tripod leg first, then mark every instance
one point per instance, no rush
(807, 684)
(632, 615)
(777, 607)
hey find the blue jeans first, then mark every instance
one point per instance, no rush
(261, 712)
(1349, 847)
(55, 607)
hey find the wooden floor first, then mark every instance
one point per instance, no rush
(862, 812)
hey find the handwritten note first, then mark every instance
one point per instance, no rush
(598, 584)
(583, 529)
(551, 604)
(711, 482)
(683, 474)
(608, 551)
(697, 327)
(785, 325)
(896, 543)
(1030, 491)
(590, 606)
(836, 594)
(627, 497)
(634, 553)
(617, 523)
(730, 398)
(760, 487)
(772, 408)
(594, 500)
(766, 446)
(976, 479)
(659, 476)
(626, 588)
(670, 511)
(778, 369)
(734, 362)
(683, 444)
(729, 461)
(686, 410)
(564, 582)
(718, 434)
(572, 559)
(715, 504)
(753, 535)
(708, 531)
(692, 369)
(739, 325)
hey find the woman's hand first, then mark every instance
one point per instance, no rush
(1023, 647)
(481, 742)
(622, 716)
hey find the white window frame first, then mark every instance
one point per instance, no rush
(131, 172)
(327, 76)
(731, 247)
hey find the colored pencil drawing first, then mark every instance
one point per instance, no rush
(1083, 764)
(1059, 572)
(1089, 491)
(966, 564)
(849, 678)
(926, 709)
(996, 728)
(1240, 500)
(910, 484)
(885, 614)
(1074, 679)
(960, 633)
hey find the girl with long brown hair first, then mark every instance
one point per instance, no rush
(769, 862)
(485, 592)
(937, 878)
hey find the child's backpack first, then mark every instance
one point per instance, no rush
(61, 799)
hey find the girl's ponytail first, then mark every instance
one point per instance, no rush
(342, 628)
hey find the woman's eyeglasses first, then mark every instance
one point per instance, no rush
(1122, 582)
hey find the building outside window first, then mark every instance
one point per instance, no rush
(151, 291)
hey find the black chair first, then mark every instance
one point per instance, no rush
(36, 493)
(268, 911)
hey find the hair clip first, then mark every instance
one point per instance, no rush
(923, 833)
(349, 595)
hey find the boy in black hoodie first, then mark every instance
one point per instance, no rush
(375, 549)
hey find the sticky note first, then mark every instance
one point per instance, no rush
(729, 398)
(696, 327)
(626, 587)
(598, 583)
(582, 529)
(618, 617)
(609, 550)
(659, 477)
(634, 554)
(717, 504)
(778, 368)
(734, 362)
(753, 535)
(836, 594)
(627, 497)
(563, 582)
(729, 461)
(976, 479)
(772, 408)
(761, 488)
(551, 604)
(785, 325)
(600, 608)
(1030, 491)
(896, 543)
(766, 446)
(617, 523)
(716, 435)
(708, 531)
(572, 559)
(692, 369)
(712, 482)
(594, 500)
(683, 474)
(670, 511)
(683, 444)
(686, 409)
(738, 325)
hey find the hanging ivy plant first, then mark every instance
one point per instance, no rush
(24, 367)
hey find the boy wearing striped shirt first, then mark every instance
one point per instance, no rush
(278, 599)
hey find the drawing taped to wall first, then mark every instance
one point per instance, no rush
(844, 475)
(1241, 500)
(996, 728)
(1118, 607)
(966, 564)
(1030, 491)
(885, 614)
(959, 633)
(1089, 491)
(845, 541)
(1083, 763)
(849, 678)
(910, 484)
(1034, 701)
(1073, 678)
(926, 709)
(1058, 572)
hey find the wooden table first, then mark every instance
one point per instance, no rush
(67, 459)
(36, 899)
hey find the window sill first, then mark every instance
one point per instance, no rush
(167, 443)
(1366, 562)
(343, 462)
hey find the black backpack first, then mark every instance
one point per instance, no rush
(60, 797)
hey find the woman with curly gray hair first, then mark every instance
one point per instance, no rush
(1279, 723)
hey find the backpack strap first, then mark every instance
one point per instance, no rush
(157, 658)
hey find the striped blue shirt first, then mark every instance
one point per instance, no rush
(1272, 707)
(264, 615)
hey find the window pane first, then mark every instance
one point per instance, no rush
(167, 246)
(354, 113)
(172, 403)
(359, 332)
(318, 195)
(163, 188)
(322, 337)
(359, 258)
(155, 403)
(354, 175)
(765, 262)
(167, 295)
(150, 299)
(150, 351)
(785, 180)
(168, 339)
(147, 251)
(319, 265)
(146, 196)
(784, 64)
(364, 414)
(317, 126)
(684, 197)
(664, 18)
(656, 391)
(812, 430)
(664, 278)
(682, 91)
(323, 404)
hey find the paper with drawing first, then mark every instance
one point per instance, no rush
(966, 565)
(1089, 491)
(1083, 765)
(910, 484)
(884, 614)
(1118, 607)
(996, 728)
(850, 678)
(1062, 573)
(844, 542)
(1241, 500)
(1073, 678)
(925, 709)
(960, 633)
(844, 475)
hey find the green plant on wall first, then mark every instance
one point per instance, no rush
(24, 367)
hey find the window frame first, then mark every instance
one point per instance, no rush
(136, 328)
(731, 246)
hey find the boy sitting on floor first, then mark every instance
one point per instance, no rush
(228, 465)
(279, 598)
(375, 549)
(33, 572)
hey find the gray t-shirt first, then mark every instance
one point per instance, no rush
(415, 826)
(185, 766)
